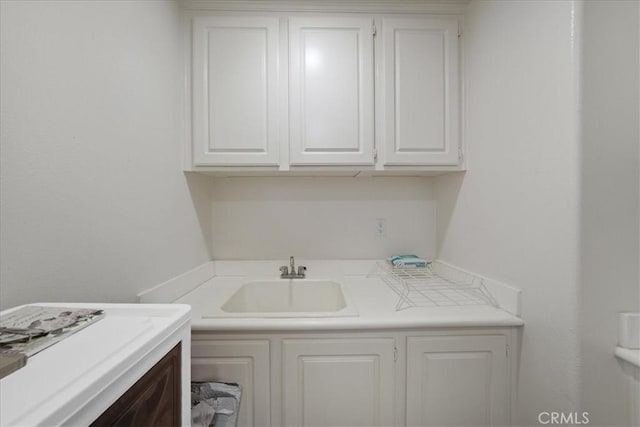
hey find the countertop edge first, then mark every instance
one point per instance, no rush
(323, 325)
(629, 355)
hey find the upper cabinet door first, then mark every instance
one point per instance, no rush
(421, 89)
(331, 91)
(235, 90)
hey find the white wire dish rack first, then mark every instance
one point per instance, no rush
(427, 287)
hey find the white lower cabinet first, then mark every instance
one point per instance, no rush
(245, 362)
(456, 377)
(457, 381)
(334, 382)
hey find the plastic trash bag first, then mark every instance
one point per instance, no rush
(215, 404)
(202, 414)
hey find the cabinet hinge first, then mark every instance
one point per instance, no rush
(460, 155)
(375, 153)
(507, 350)
(395, 353)
(374, 30)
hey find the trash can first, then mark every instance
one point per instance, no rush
(215, 404)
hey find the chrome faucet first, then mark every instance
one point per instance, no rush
(290, 272)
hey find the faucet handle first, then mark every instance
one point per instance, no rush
(302, 270)
(284, 271)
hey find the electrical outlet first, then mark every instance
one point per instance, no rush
(381, 225)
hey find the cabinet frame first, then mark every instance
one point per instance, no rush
(286, 164)
(512, 336)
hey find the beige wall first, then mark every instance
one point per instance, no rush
(609, 208)
(322, 218)
(95, 206)
(514, 215)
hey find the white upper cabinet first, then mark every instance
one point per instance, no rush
(421, 91)
(331, 91)
(235, 90)
(293, 92)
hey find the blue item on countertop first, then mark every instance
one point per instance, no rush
(408, 261)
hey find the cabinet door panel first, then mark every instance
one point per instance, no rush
(235, 83)
(338, 382)
(457, 381)
(244, 362)
(421, 91)
(331, 91)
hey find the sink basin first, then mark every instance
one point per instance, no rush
(287, 296)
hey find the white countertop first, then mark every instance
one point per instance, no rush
(630, 355)
(78, 378)
(374, 300)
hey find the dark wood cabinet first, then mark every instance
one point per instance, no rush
(152, 401)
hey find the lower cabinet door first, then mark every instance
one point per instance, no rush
(338, 382)
(245, 362)
(457, 381)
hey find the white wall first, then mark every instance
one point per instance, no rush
(514, 215)
(94, 204)
(609, 181)
(322, 218)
